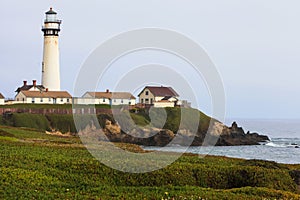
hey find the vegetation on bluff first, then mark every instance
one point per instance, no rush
(35, 165)
(190, 126)
(65, 123)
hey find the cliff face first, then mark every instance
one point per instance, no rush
(181, 126)
(219, 135)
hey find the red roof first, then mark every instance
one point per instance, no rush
(111, 95)
(49, 94)
(161, 91)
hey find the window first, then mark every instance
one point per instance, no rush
(115, 100)
(41, 100)
(49, 99)
(142, 100)
(68, 100)
(61, 99)
(146, 100)
(122, 101)
(129, 103)
(103, 100)
(23, 99)
(17, 99)
(147, 92)
(33, 100)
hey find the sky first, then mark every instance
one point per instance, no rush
(254, 44)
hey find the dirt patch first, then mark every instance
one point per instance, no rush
(58, 133)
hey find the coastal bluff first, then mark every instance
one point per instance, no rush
(154, 127)
(219, 135)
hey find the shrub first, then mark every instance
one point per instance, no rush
(63, 123)
(35, 121)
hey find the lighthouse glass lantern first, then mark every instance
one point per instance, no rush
(51, 16)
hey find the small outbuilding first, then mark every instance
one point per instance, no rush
(107, 98)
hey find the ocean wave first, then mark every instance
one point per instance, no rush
(272, 144)
(282, 145)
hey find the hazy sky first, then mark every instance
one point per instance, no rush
(255, 44)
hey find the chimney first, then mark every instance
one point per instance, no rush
(107, 90)
(34, 83)
(47, 89)
(25, 83)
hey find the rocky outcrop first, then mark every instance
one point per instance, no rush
(235, 135)
(218, 134)
(113, 132)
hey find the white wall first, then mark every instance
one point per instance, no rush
(88, 101)
(104, 101)
(123, 102)
(2, 102)
(34, 89)
(163, 104)
(21, 98)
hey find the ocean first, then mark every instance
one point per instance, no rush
(284, 136)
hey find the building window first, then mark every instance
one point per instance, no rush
(23, 99)
(142, 100)
(33, 100)
(103, 100)
(122, 101)
(115, 100)
(129, 103)
(49, 99)
(146, 100)
(68, 100)
(41, 100)
(147, 92)
(17, 99)
(61, 99)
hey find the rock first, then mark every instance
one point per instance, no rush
(218, 134)
(221, 135)
(145, 136)
(163, 138)
(112, 128)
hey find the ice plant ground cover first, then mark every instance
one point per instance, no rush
(35, 165)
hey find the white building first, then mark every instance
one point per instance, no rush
(2, 100)
(159, 96)
(107, 98)
(43, 97)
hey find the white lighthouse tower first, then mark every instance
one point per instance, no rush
(50, 65)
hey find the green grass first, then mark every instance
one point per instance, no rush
(35, 165)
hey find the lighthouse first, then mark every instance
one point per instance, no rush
(50, 65)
